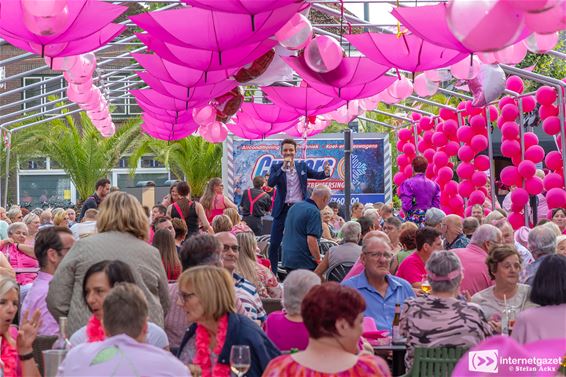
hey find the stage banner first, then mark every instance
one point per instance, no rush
(371, 164)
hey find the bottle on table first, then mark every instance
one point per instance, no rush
(396, 332)
(62, 342)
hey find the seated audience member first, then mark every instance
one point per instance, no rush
(542, 243)
(494, 216)
(222, 223)
(328, 231)
(391, 227)
(122, 234)
(561, 245)
(347, 252)
(285, 328)
(126, 327)
(440, 319)
(380, 290)
(337, 221)
(408, 240)
(476, 276)
(433, 218)
(61, 218)
(51, 246)
(508, 238)
(548, 291)
(245, 290)
(32, 222)
(454, 238)
(237, 224)
(372, 214)
(412, 269)
(504, 265)
(469, 226)
(357, 210)
(209, 300)
(366, 224)
(333, 317)
(164, 241)
(46, 218)
(478, 213)
(559, 218)
(358, 267)
(87, 226)
(249, 268)
(19, 254)
(98, 281)
(180, 232)
(15, 214)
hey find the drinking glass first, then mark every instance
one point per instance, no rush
(240, 360)
(425, 285)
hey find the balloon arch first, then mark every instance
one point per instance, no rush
(256, 68)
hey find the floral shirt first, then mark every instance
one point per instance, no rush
(460, 242)
(268, 285)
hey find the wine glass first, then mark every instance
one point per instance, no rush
(425, 285)
(240, 360)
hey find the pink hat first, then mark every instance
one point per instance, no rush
(522, 235)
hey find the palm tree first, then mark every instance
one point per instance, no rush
(192, 158)
(78, 148)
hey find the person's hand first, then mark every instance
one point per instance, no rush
(287, 162)
(366, 346)
(496, 326)
(4, 271)
(326, 168)
(467, 296)
(9, 241)
(28, 332)
(195, 370)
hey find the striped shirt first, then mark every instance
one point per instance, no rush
(247, 293)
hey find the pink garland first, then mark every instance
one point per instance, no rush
(94, 330)
(202, 357)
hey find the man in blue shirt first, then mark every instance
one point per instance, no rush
(380, 290)
(303, 229)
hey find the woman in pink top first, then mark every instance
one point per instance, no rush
(18, 253)
(213, 199)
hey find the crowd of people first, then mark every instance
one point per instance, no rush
(175, 287)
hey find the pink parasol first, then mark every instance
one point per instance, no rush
(205, 60)
(88, 28)
(409, 52)
(429, 23)
(249, 128)
(182, 116)
(303, 100)
(354, 78)
(213, 30)
(167, 130)
(158, 102)
(241, 6)
(204, 93)
(268, 113)
(164, 70)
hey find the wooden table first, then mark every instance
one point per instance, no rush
(398, 356)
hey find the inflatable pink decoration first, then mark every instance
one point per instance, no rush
(303, 100)
(546, 111)
(439, 139)
(551, 125)
(510, 176)
(466, 153)
(484, 25)
(464, 134)
(250, 7)
(323, 54)
(535, 154)
(465, 188)
(556, 198)
(479, 179)
(215, 132)
(345, 114)
(440, 159)
(527, 168)
(44, 8)
(476, 197)
(385, 97)
(516, 219)
(512, 55)
(308, 126)
(465, 170)
(548, 21)
(530, 139)
(541, 43)
(296, 33)
(444, 175)
(451, 148)
(510, 148)
(519, 196)
(47, 26)
(61, 64)
(529, 103)
(438, 75)
(398, 178)
(553, 160)
(546, 95)
(400, 89)
(510, 130)
(204, 115)
(487, 57)
(515, 83)
(425, 87)
(466, 69)
(268, 113)
(534, 185)
(553, 180)
(481, 163)
(479, 143)
(446, 114)
(487, 85)
(510, 112)
(82, 70)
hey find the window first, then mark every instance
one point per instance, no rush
(150, 162)
(123, 163)
(47, 84)
(38, 163)
(125, 180)
(122, 103)
(38, 190)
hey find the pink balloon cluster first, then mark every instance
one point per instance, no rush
(78, 71)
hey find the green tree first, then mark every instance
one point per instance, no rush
(191, 158)
(77, 146)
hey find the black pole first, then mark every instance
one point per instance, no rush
(347, 172)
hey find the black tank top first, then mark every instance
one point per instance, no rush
(189, 214)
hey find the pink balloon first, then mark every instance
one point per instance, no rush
(553, 160)
(481, 162)
(402, 160)
(534, 185)
(510, 112)
(429, 155)
(456, 203)
(479, 179)
(440, 159)
(62, 63)
(82, 70)
(416, 116)
(546, 111)
(556, 198)
(466, 69)
(447, 114)
(296, 33)
(483, 25)
(78, 97)
(487, 57)
(479, 143)
(451, 148)
(215, 132)
(520, 196)
(551, 125)
(323, 54)
(439, 139)
(409, 149)
(476, 197)
(404, 134)
(549, 21)
(546, 95)
(43, 8)
(510, 130)
(438, 75)
(408, 171)
(527, 168)
(506, 101)
(478, 124)
(516, 220)
(515, 83)
(529, 103)
(510, 148)
(47, 26)
(444, 175)
(553, 180)
(425, 123)
(464, 134)
(204, 115)
(451, 188)
(512, 55)
(530, 139)
(534, 153)
(400, 89)
(425, 87)
(510, 176)
(398, 178)
(450, 127)
(532, 5)
(465, 170)
(541, 43)
(465, 188)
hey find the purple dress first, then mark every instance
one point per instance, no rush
(286, 334)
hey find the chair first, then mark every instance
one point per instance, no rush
(435, 362)
(42, 343)
(325, 245)
(271, 305)
(338, 272)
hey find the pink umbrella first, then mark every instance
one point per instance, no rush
(182, 116)
(354, 78)
(268, 113)
(303, 100)
(213, 30)
(157, 101)
(205, 60)
(204, 93)
(429, 23)
(167, 130)
(409, 52)
(179, 74)
(89, 27)
(241, 6)
(249, 128)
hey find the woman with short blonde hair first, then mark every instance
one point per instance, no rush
(61, 218)
(122, 212)
(209, 299)
(222, 223)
